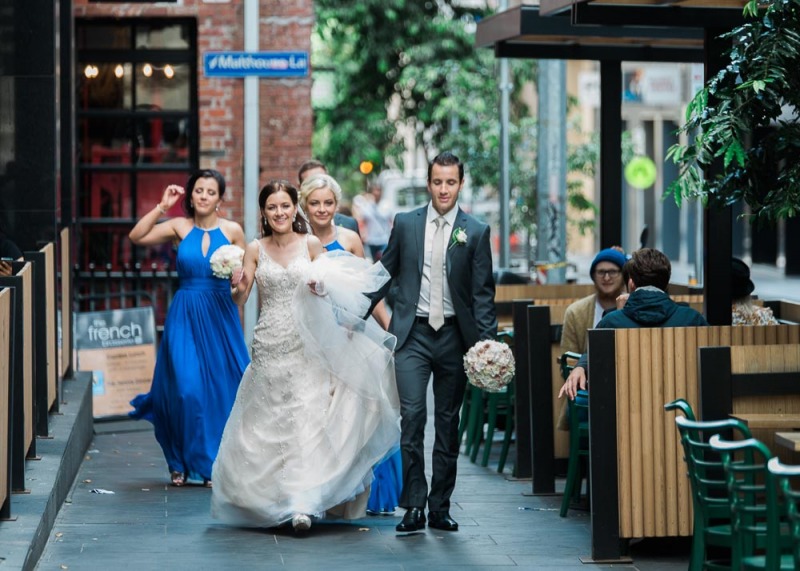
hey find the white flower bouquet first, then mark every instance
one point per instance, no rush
(489, 365)
(225, 260)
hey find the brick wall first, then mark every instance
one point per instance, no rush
(286, 120)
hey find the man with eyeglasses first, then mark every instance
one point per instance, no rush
(647, 276)
(585, 314)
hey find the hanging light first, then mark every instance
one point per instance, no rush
(169, 72)
(91, 71)
(147, 70)
(119, 71)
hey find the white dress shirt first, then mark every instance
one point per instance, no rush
(424, 305)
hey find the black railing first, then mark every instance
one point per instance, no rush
(101, 288)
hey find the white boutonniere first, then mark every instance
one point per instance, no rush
(458, 237)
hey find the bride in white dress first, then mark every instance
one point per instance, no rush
(317, 407)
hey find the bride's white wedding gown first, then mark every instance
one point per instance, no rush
(317, 407)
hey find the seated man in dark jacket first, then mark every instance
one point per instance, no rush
(647, 274)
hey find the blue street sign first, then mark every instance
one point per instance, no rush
(260, 64)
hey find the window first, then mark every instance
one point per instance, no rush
(137, 127)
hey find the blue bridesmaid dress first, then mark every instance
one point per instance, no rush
(200, 363)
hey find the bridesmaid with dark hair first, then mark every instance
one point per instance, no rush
(202, 354)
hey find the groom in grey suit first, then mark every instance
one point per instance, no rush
(440, 261)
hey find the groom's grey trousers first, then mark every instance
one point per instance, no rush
(439, 352)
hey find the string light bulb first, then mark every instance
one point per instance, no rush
(119, 71)
(91, 71)
(147, 70)
(169, 72)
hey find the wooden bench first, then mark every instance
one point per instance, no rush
(638, 478)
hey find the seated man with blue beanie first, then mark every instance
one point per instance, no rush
(647, 275)
(586, 313)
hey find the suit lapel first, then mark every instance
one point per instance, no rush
(460, 222)
(419, 235)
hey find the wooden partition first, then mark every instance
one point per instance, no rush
(785, 311)
(44, 331)
(6, 324)
(65, 271)
(51, 322)
(758, 384)
(505, 295)
(638, 478)
(23, 444)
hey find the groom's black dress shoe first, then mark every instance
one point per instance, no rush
(442, 520)
(414, 520)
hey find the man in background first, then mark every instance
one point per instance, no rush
(375, 222)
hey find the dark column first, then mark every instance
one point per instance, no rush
(28, 111)
(792, 234)
(66, 112)
(610, 153)
(718, 228)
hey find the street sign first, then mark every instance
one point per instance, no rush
(259, 64)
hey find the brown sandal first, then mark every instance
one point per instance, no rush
(177, 478)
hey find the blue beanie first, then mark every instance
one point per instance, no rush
(608, 255)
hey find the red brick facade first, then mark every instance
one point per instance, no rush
(286, 120)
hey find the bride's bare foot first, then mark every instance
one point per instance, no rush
(301, 522)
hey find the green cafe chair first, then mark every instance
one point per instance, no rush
(712, 514)
(760, 542)
(578, 411)
(786, 478)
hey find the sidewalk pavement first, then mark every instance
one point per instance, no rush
(146, 524)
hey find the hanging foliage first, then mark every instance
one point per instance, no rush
(744, 122)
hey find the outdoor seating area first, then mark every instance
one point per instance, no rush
(741, 381)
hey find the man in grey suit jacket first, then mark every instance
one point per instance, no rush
(312, 167)
(440, 261)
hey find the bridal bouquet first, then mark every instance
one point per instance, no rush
(489, 365)
(225, 260)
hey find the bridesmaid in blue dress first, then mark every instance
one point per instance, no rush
(319, 198)
(202, 354)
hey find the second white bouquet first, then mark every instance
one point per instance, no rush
(489, 365)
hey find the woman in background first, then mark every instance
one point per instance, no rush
(202, 354)
(744, 311)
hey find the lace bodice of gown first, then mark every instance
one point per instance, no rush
(276, 331)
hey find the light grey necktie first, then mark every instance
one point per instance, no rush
(436, 314)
